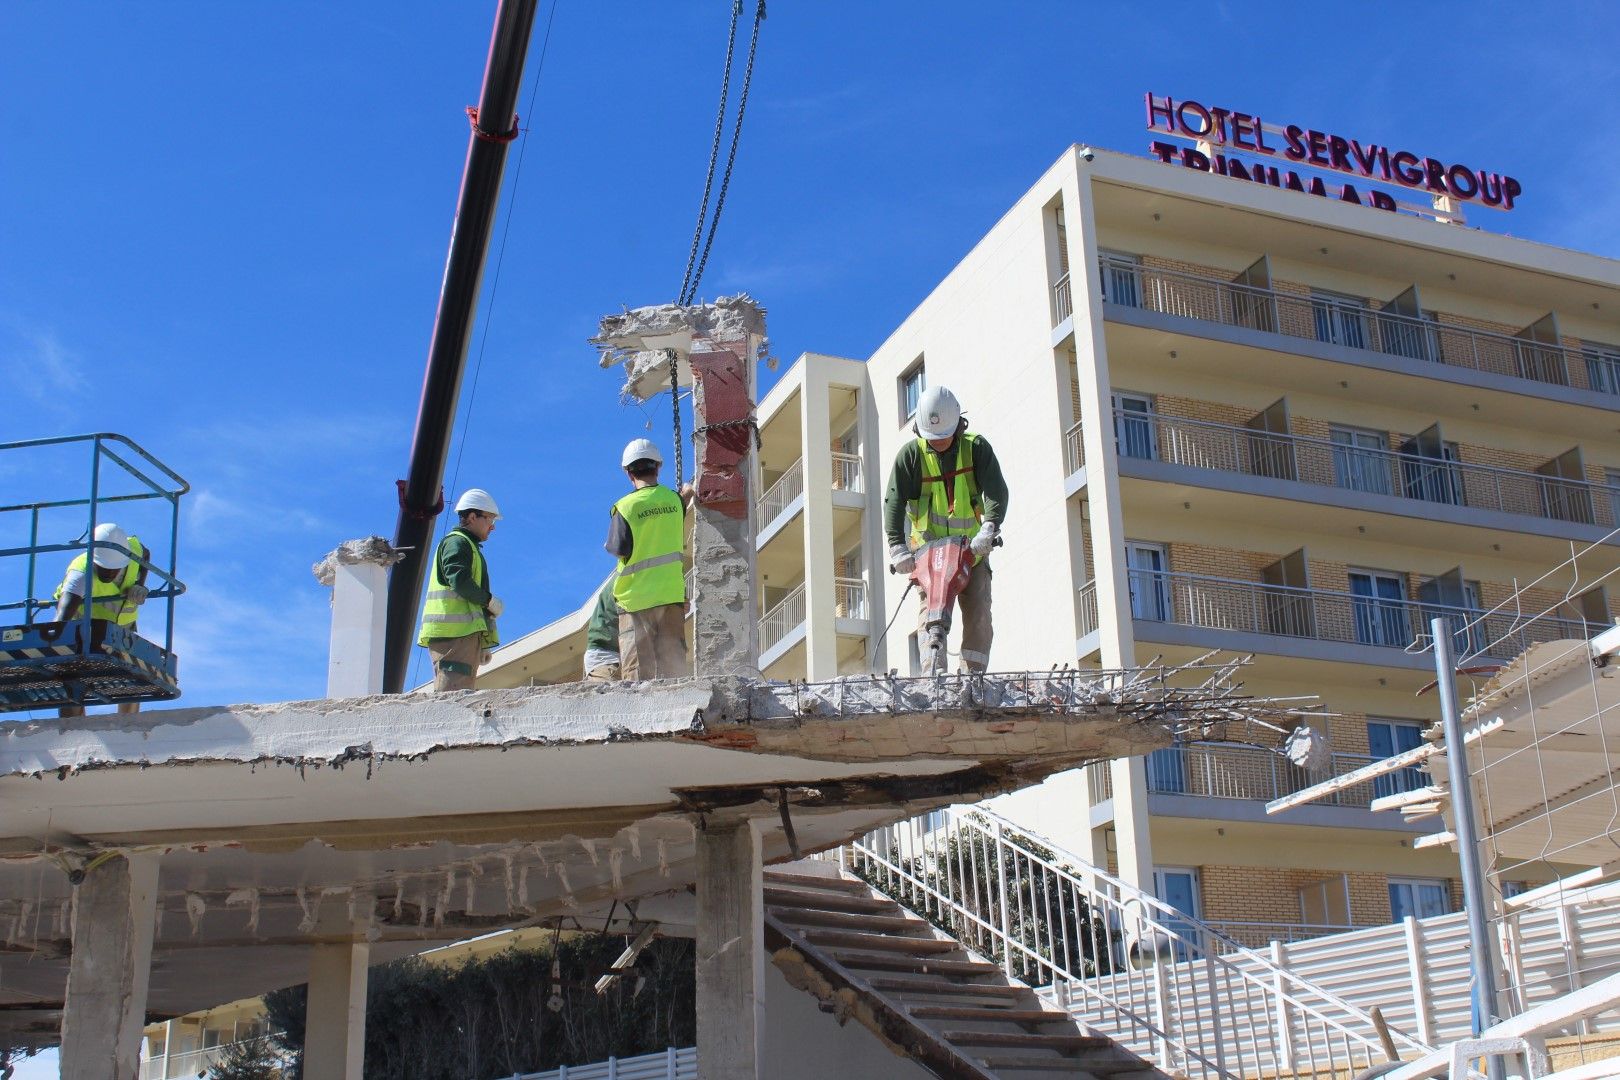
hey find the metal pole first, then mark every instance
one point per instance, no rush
(1462, 807)
(420, 493)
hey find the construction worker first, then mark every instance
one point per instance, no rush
(647, 533)
(602, 638)
(948, 483)
(458, 622)
(118, 591)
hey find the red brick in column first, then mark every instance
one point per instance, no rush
(720, 377)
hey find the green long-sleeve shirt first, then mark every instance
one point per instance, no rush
(456, 565)
(602, 632)
(905, 484)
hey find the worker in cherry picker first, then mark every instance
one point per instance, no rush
(117, 588)
(947, 482)
(647, 534)
(459, 620)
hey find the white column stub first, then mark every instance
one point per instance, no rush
(730, 951)
(114, 910)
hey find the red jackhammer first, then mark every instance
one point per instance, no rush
(942, 572)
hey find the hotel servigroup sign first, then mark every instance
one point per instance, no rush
(1231, 130)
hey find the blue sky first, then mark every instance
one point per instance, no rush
(226, 223)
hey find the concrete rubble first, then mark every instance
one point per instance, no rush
(373, 549)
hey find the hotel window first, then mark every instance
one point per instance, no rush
(1385, 739)
(1178, 887)
(1360, 459)
(1340, 319)
(1378, 607)
(912, 383)
(1133, 426)
(1121, 278)
(1326, 902)
(1611, 484)
(1418, 897)
(1602, 366)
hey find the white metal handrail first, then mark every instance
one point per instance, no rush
(1062, 301)
(846, 471)
(1217, 770)
(1322, 462)
(672, 1064)
(1074, 451)
(778, 622)
(788, 486)
(849, 598)
(1102, 948)
(1355, 324)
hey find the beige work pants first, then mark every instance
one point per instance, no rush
(455, 662)
(652, 643)
(974, 604)
(603, 673)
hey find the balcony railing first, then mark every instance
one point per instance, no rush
(846, 472)
(1351, 324)
(188, 1063)
(1239, 771)
(849, 598)
(1074, 451)
(1258, 935)
(781, 619)
(789, 486)
(1323, 615)
(1088, 608)
(1404, 475)
(1062, 301)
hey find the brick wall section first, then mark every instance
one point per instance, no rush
(1271, 894)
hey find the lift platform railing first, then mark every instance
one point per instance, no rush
(134, 476)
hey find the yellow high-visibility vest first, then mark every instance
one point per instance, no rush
(107, 597)
(447, 614)
(949, 504)
(653, 574)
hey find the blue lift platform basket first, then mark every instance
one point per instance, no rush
(48, 664)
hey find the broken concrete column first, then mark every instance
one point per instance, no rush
(714, 348)
(357, 574)
(335, 1012)
(114, 909)
(730, 951)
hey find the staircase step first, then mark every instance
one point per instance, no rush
(785, 897)
(918, 965)
(981, 1012)
(852, 921)
(1024, 1041)
(1071, 1066)
(811, 881)
(881, 942)
(947, 986)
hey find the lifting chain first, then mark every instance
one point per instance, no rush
(675, 409)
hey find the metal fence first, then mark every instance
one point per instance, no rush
(1348, 617)
(846, 472)
(778, 622)
(193, 1063)
(1230, 448)
(671, 1064)
(1352, 322)
(1124, 963)
(1214, 770)
(788, 486)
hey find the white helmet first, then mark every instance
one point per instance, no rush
(640, 450)
(107, 558)
(477, 499)
(938, 413)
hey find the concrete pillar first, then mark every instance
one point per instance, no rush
(730, 951)
(335, 1013)
(724, 559)
(815, 417)
(1116, 638)
(359, 617)
(114, 909)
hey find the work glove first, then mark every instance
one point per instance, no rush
(984, 539)
(485, 657)
(136, 594)
(901, 561)
(495, 607)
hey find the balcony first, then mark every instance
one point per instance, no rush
(1062, 299)
(781, 620)
(1252, 616)
(1074, 451)
(1396, 481)
(849, 598)
(1353, 325)
(780, 495)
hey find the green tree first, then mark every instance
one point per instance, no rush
(248, 1059)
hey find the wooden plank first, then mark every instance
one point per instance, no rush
(1376, 769)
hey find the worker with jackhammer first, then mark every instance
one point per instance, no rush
(459, 620)
(948, 483)
(117, 589)
(647, 534)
